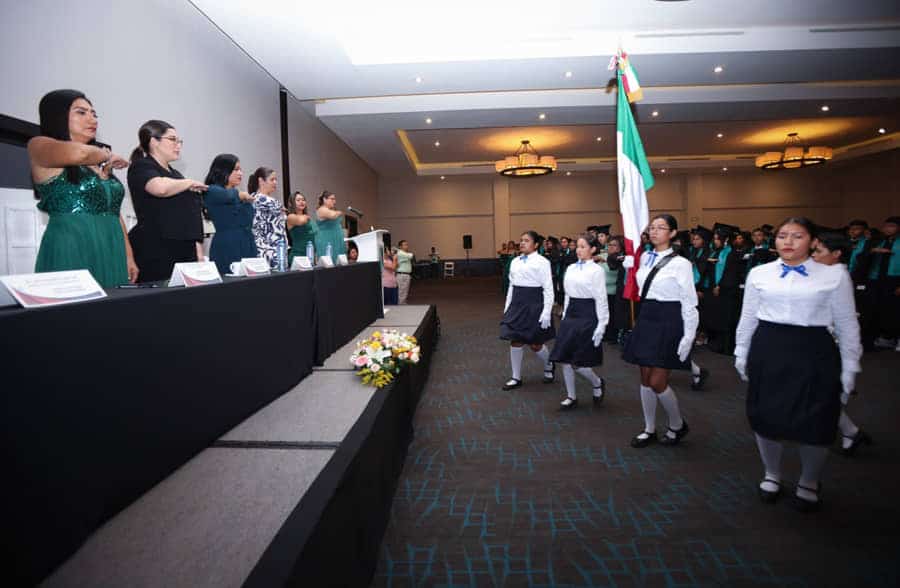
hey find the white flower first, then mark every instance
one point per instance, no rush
(374, 367)
(414, 358)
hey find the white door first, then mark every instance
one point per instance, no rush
(21, 228)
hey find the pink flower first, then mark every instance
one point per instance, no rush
(361, 361)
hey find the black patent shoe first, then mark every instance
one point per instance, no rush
(766, 496)
(602, 388)
(679, 434)
(697, 382)
(638, 442)
(804, 505)
(568, 403)
(512, 383)
(549, 379)
(861, 438)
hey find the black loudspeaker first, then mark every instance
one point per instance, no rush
(467, 241)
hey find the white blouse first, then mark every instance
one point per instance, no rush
(586, 279)
(531, 271)
(822, 298)
(673, 283)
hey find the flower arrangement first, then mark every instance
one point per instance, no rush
(380, 358)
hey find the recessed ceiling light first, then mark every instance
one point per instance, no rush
(568, 173)
(437, 143)
(662, 171)
(719, 135)
(719, 69)
(599, 139)
(568, 74)
(882, 131)
(542, 116)
(442, 177)
(654, 113)
(427, 121)
(825, 108)
(724, 169)
(418, 79)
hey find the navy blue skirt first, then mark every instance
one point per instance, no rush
(656, 335)
(574, 343)
(521, 321)
(795, 383)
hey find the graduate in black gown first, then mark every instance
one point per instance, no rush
(883, 289)
(700, 251)
(760, 253)
(721, 299)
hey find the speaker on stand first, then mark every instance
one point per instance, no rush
(467, 245)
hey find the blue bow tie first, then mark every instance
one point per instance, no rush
(652, 258)
(524, 258)
(786, 269)
(579, 263)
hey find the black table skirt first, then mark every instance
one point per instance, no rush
(348, 299)
(104, 399)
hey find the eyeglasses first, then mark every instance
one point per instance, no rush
(172, 139)
(658, 228)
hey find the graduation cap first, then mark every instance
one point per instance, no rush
(727, 231)
(703, 232)
(683, 236)
(599, 229)
(892, 220)
(767, 228)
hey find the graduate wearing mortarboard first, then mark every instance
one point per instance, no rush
(721, 300)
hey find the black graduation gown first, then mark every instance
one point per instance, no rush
(722, 310)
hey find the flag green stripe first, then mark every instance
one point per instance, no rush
(632, 147)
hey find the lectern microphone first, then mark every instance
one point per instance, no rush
(354, 211)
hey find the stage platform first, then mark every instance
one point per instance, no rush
(297, 494)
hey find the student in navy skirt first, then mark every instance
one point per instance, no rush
(584, 318)
(527, 313)
(664, 332)
(797, 372)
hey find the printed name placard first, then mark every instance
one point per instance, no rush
(326, 261)
(250, 266)
(301, 263)
(342, 260)
(52, 288)
(196, 273)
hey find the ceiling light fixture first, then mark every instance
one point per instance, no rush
(719, 135)
(724, 169)
(437, 143)
(418, 79)
(568, 74)
(568, 173)
(654, 113)
(825, 108)
(795, 154)
(599, 139)
(882, 131)
(662, 171)
(526, 162)
(427, 121)
(442, 177)
(542, 116)
(718, 69)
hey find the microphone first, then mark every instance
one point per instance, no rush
(354, 211)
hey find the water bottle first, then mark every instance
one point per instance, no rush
(328, 251)
(310, 252)
(281, 256)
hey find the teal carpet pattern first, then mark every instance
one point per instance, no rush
(504, 489)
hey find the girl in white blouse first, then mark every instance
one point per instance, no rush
(664, 333)
(795, 370)
(584, 319)
(526, 314)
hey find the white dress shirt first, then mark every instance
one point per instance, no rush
(823, 298)
(531, 271)
(586, 279)
(673, 283)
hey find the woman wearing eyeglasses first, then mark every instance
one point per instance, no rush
(170, 226)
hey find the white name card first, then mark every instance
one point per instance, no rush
(301, 263)
(326, 261)
(196, 273)
(342, 260)
(250, 266)
(52, 288)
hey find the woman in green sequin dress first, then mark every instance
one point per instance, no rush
(328, 220)
(73, 181)
(301, 225)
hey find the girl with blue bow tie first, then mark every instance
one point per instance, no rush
(797, 373)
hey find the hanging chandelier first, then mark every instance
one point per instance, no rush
(526, 162)
(796, 154)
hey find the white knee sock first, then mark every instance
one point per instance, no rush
(695, 369)
(648, 403)
(544, 354)
(812, 461)
(770, 452)
(670, 403)
(569, 378)
(591, 377)
(848, 429)
(515, 359)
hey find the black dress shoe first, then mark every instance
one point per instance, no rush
(804, 505)
(512, 383)
(698, 381)
(552, 377)
(602, 388)
(679, 434)
(568, 403)
(861, 438)
(769, 497)
(639, 442)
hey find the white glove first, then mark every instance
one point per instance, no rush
(597, 338)
(684, 348)
(848, 381)
(628, 262)
(545, 321)
(740, 364)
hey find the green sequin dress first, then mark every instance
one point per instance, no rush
(84, 231)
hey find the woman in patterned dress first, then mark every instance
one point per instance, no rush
(269, 217)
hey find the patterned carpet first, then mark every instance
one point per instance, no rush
(503, 489)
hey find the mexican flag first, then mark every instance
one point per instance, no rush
(633, 171)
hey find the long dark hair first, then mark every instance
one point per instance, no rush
(220, 168)
(152, 129)
(292, 204)
(325, 194)
(261, 173)
(54, 114)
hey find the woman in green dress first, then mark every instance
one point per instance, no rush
(329, 223)
(75, 186)
(301, 226)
